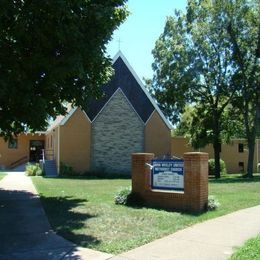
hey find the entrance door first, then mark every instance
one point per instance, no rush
(36, 147)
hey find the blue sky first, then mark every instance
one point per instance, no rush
(140, 31)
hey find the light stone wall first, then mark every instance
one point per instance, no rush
(117, 132)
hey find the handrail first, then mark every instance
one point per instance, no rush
(43, 156)
(22, 159)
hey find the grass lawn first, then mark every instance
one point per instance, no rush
(2, 175)
(83, 211)
(250, 250)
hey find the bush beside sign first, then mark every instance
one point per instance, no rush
(167, 175)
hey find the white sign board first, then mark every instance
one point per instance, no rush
(167, 175)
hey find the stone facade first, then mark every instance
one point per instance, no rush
(117, 132)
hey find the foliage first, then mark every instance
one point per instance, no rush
(243, 26)
(52, 52)
(250, 250)
(185, 123)
(213, 203)
(33, 169)
(223, 169)
(194, 63)
(83, 211)
(66, 170)
(191, 125)
(122, 195)
(125, 196)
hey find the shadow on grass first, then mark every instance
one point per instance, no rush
(234, 179)
(66, 220)
(135, 201)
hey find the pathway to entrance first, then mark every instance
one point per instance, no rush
(25, 232)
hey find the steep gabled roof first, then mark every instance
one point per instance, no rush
(126, 79)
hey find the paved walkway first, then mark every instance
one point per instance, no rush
(214, 239)
(25, 232)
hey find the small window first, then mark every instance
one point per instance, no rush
(13, 144)
(241, 166)
(240, 148)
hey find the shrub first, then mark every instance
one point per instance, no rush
(213, 203)
(33, 169)
(66, 170)
(223, 169)
(122, 195)
(125, 196)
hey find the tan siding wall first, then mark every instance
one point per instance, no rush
(49, 145)
(8, 156)
(229, 152)
(75, 139)
(157, 136)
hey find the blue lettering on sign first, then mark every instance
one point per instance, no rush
(167, 175)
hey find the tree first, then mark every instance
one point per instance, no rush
(243, 26)
(52, 52)
(199, 129)
(193, 64)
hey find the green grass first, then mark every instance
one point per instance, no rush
(250, 250)
(83, 211)
(2, 175)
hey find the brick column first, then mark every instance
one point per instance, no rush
(196, 180)
(141, 172)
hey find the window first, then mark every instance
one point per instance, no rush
(13, 144)
(240, 148)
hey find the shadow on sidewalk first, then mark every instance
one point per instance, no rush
(24, 226)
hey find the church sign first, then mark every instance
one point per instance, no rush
(167, 175)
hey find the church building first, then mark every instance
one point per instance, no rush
(102, 137)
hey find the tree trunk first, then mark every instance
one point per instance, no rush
(217, 146)
(250, 161)
(251, 136)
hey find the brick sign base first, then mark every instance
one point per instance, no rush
(195, 195)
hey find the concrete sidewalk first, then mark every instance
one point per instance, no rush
(25, 232)
(214, 239)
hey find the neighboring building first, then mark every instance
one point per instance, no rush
(102, 136)
(24, 148)
(234, 154)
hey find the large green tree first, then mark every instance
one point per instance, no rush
(243, 26)
(192, 64)
(52, 52)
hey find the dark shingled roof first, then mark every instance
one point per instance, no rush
(124, 79)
